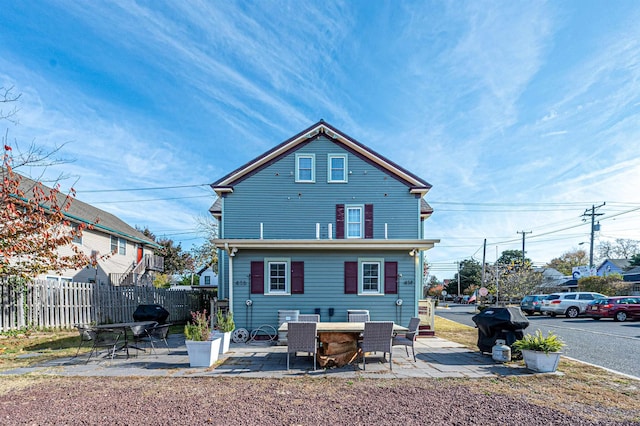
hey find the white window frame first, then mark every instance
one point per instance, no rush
(76, 239)
(59, 279)
(361, 277)
(311, 157)
(287, 276)
(347, 228)
(118, 245)
(330, 168)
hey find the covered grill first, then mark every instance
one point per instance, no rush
(499, 323)
(151, 313)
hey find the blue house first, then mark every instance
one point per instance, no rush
(612, 266)
(321, 224)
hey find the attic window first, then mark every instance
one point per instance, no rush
(305, 168)
(337, 166)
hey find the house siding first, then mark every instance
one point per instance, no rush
(290, 210)
(323, 288)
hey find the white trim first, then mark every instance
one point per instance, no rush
(345, 179)
(348, 207)
(312, 157)
(267, 276)
(370, 261)
(334, 244)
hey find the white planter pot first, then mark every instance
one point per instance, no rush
(540, 361)
(225, 340)
(203, 354)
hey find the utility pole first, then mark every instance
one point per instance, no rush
(484, 256)
(458, 279)
(523, 235)
(592, 212)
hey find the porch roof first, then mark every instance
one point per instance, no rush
(313, 244)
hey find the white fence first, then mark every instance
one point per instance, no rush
(49, 304)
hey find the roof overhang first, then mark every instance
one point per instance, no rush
(233, 245)
(225, 185)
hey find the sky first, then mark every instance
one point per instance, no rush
(521, 115)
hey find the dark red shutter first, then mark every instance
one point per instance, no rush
(391, 277)
(340, 221)
(297, 277)
(257, 277)
(368, 220)
(350, 277)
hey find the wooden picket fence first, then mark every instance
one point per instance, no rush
(50, 304)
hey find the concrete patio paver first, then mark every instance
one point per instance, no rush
(435, 358)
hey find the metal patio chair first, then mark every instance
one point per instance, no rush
(105, 338)
(358, 317)
(86, 335)
(302, 337)
(377, 337)
(409, 338)
(158, 333)
(140, 334)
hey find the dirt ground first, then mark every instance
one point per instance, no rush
(304, 401)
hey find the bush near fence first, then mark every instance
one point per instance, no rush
(50, 304)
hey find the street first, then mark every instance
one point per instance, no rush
(605, 343)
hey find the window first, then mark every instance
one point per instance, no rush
(118, 245)
(277, 276)
(365, 278)
(354, 221)
(337, 168)
(305, 168)
(207, 280)
(59, 280)
(370, 277)
(76, 238)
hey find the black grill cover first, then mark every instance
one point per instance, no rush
(151, 313)
(499, 323)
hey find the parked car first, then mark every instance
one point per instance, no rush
(531, 304)
(619, 308)
(570, 304)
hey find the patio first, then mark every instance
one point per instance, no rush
(436, 358)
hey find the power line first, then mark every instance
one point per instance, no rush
(150, 199)
(142, 189)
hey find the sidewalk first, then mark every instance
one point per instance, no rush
(436, 358)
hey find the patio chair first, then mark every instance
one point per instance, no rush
(86, 335)
(351, 312)
(158, 333)
(302, 337)
(377, 337)
(140, 334)
(358, 317)
(105, 338)
(308, 318)
(409, 338)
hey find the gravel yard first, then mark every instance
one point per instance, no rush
(304, 401)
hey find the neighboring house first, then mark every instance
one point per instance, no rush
(124, 255)
(208, 277)
(321, 224)
(612, 266)
(553, 280)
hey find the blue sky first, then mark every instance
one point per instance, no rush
(520, 114)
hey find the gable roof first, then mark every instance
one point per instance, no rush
(81, 212)
(415, 184)
(619, 263)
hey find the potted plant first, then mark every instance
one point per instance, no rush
(203, 351)
(224, 326)
(541, 353)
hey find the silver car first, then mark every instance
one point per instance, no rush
(569, 304)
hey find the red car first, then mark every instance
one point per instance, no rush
(619, 308)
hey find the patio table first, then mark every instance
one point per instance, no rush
(339, 341)
(124, 326)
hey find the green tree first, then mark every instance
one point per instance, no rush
(470, 275)
(176, 261)
(512, 258)
(634, 261)
(568, 260)
(206, 254)
(610, 285)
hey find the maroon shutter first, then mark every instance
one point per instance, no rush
(391, 277)
(339, 221)
(368, 220)
(297, 277)
(257, 277)
(350, 277)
